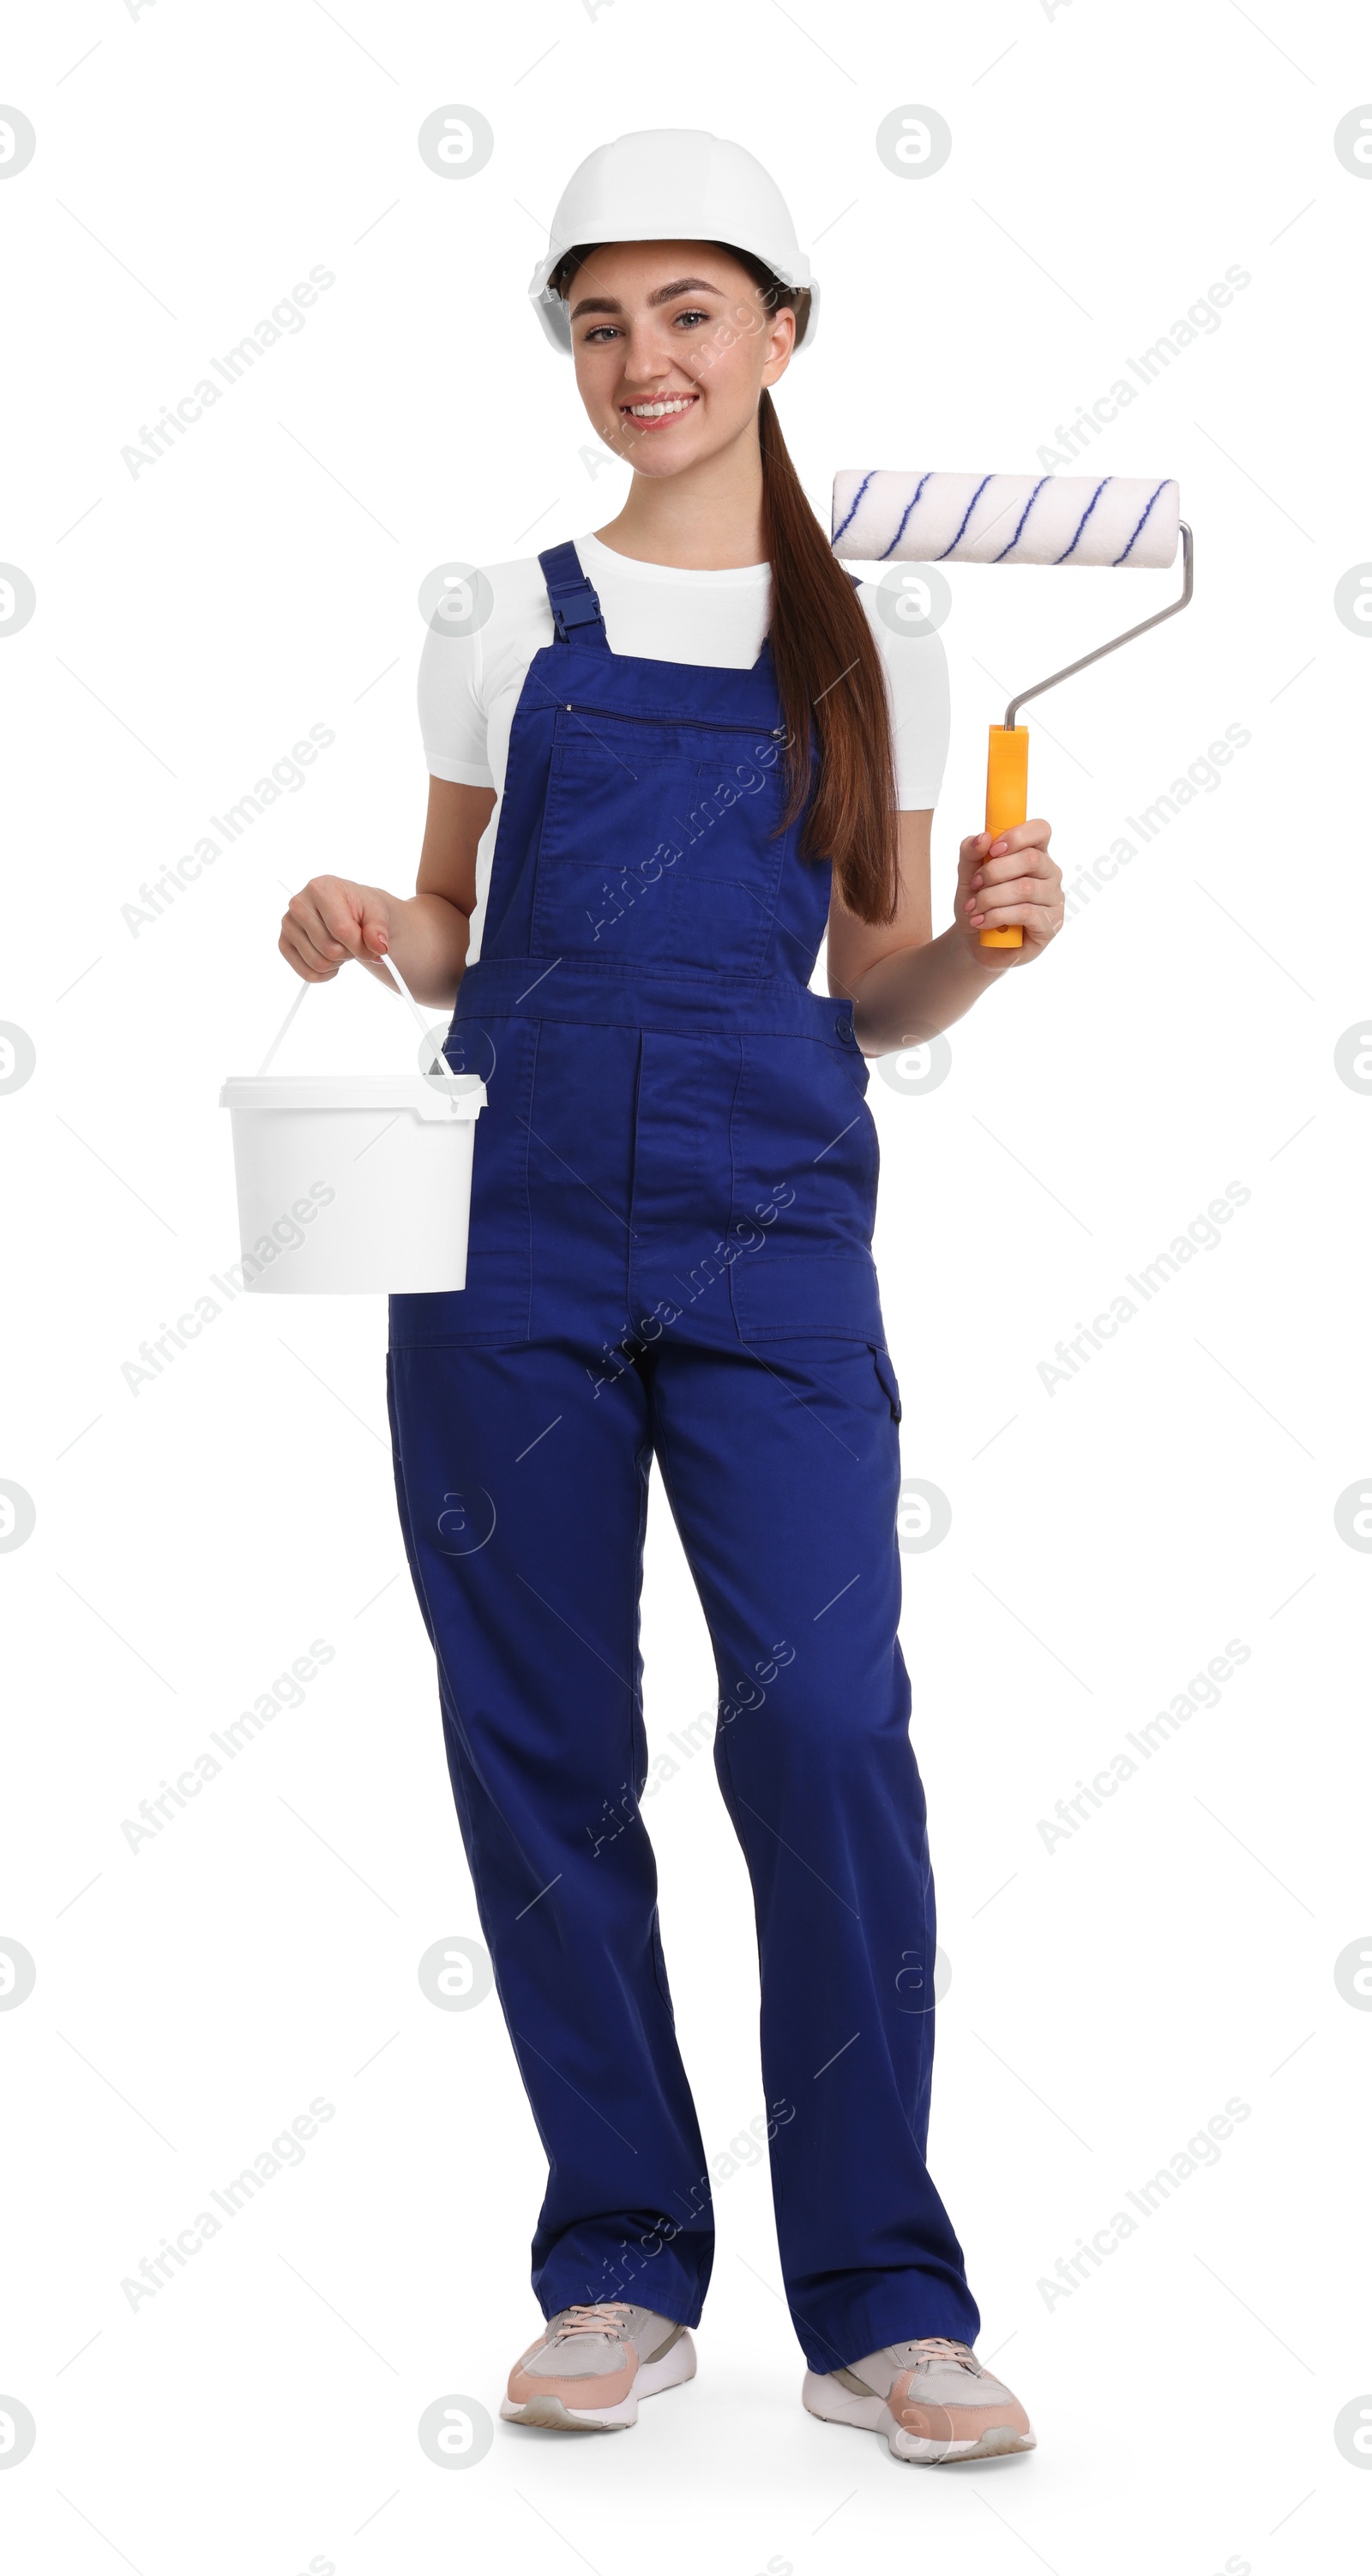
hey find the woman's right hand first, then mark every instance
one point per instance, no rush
(331, 920)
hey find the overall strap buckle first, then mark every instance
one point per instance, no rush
(577, 617)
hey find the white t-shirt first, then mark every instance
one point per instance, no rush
(470, 685)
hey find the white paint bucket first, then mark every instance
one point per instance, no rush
(349, 1183)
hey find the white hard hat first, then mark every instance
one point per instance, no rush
(674, 184)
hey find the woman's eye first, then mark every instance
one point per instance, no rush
(602, 331)
(693, 314)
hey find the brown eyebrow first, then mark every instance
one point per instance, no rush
(661, 295)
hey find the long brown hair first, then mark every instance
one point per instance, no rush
(829, 671)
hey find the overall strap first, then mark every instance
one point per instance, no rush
(576, 611)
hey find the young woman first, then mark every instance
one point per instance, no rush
(665, 762)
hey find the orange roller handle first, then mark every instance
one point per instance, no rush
(1007, 802)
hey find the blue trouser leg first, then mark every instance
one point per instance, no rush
(782, 1467)
(522, 1498)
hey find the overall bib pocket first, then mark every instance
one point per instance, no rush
(633, 865)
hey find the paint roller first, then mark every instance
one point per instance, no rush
(1120, 520)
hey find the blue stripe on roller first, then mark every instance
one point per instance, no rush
(976, 496)
(838, 532)
(895, 541)
(1119, 559)
(1086, 513)
(1014, 541)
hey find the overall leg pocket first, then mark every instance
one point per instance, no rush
(887, 1378)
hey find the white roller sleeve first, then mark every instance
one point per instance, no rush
(1005, 519)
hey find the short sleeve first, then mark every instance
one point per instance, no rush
(452, 715)
(916, 669)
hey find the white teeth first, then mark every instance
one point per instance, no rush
(657, 410)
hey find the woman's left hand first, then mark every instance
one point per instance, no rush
(1009, 877)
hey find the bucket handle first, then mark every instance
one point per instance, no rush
(454, 1088)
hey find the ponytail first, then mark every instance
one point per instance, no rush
(833, 693)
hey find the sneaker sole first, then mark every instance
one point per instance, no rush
(552, 2416)
(873, 2415)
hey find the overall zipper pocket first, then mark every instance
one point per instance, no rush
(698, 724)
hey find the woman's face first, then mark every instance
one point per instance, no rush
(672, 346)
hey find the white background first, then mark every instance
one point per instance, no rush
(1108, 1997)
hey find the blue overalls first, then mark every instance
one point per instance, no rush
(670, 1257)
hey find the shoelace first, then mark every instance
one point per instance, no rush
(942, 2348)
(606, 2316)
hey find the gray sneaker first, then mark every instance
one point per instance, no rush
(932, 2399)
(590, 2366)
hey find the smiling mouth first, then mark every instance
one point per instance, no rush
(664, 408)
